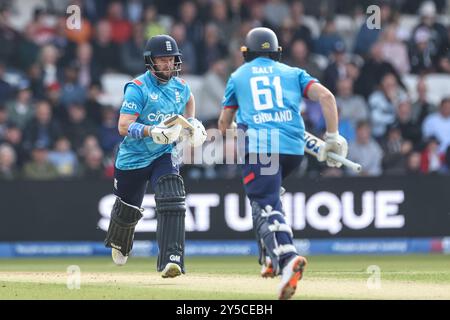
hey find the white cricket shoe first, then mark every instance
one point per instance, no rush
(291, 274)
(118, 258)
(171, 270)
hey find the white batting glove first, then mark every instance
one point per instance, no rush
(162, 134)
(336, 143)
(198, 136)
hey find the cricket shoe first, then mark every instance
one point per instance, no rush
(290, 276)
(267, 270)
(118, 258)
(171, 270)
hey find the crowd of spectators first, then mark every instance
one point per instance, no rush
(54, 124)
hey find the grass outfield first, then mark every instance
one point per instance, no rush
(229, 278)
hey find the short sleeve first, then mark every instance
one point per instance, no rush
(305, 81)
(187, 93)
(133, 100)
(229, 99)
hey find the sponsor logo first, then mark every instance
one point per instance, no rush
(322, 211)
(129, 105)
(177, 96)
(175, 258)
(158, 116)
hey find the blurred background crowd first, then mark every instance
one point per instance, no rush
(61, 89)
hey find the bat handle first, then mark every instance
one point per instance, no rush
(348, 163)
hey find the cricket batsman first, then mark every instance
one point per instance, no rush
(265, 96)
(145, 156)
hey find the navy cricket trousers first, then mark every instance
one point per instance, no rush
(264, 188)
(131, 185)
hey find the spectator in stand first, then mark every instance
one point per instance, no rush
(108, 135)
(152, 25)
(394, 51)
(39, 168)
(187, 48)
(337, 69)
(383, 104)
(9, 37)
(373, 70)
(211, 93)
(3, 121)
(423, 53)
(302, 32)
(43, 31)
(329, 39)
(276, 11)
(194, 27)
(219, 16)
(42, 128)
(8, 167)
(413, 164)
(213, 49)
(88, 70)
(93, 106)
(444, 56)
(396, 150)
(286, 38)
(121, 28)
(301, 58)
(13, 137)
(366, 37)
(63, 158)
(435, 31)
(72, 91)
(410, 130)
(93, 167)
(78, 126)
(5, 88)
(20, 110)
(432, 160)
(48, 60)
(352, 107)
(105, 51)
(131, 51)
(422, 107)
(366, 151)
(27, 51)
(437, 124)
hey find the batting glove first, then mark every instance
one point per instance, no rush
(197, 136)
(336, 143)
(162, 134)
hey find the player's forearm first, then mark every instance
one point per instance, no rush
(329, 110)
(189, 110)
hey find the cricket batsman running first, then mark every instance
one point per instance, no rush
(265, 95)
(145, 156)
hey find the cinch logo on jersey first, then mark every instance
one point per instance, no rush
(158, 116)
(279, 116)
(129, 105)
(175, 258)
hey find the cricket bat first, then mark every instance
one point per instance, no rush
(313, 145)
(179, 119)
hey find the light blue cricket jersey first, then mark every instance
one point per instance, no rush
(152, 102)
(267, 95)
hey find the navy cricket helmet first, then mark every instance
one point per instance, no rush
(261, 42)
(162, 46)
